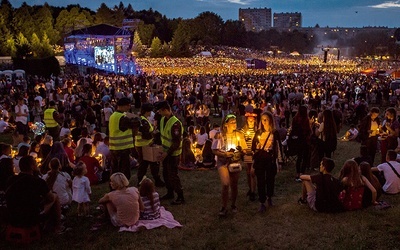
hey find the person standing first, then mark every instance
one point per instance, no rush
(268, 153)
(369, 131)
(171, 139)
(143, 139)
(228, 147)
(121, 137)
(21, 116)
(52, 121)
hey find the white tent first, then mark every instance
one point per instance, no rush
(19, 73)
(205, 54)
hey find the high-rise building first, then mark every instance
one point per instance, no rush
(287, 20)
(256, 19)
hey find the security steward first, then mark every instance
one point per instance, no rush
(52, 121)
(144, 138)
(171, 139)
(121, 128)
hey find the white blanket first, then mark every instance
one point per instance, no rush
(166, 219)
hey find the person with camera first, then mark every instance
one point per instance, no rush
(267, 158)
(144, 138)
(229, 146)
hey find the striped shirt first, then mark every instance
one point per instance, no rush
(148, 212)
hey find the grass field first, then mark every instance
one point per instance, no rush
(286, 225)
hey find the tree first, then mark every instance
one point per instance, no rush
(45, 24)
(36, 45)
(146, 32)
(156, 48)
(47, 49)
(68, 21)
(207, 28)
(233, 34)
(180, 40)
(104, 15)
(23, 48)
(23, 22)
(137, 45)
(11, 46)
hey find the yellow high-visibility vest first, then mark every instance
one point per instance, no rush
(166, 135)
(139, 141)
(119, 140)
(48, 118)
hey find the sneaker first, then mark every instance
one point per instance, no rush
(223, 212)
(297, 179)
(234, 209)
(262, 208)
(178, 201)
(167, 196)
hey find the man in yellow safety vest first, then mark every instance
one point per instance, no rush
(52, 121)
(171, 138)
(121, 127)
(144, 138)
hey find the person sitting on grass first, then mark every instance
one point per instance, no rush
(321, 191)
(350, 134)
(391, 171)
(150, 199)
(356, 186)
(123, 205)
(30, 201)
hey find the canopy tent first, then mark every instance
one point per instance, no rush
(205, 54)
(369, 71)
(295, 53)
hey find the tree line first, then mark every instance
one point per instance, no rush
(38, 31)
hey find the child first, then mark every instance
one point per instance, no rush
(81, 189)
(150, 199)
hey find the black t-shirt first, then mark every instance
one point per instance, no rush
(327, 193)
(24, 198)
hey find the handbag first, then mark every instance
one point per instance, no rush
(261, 154)
(235, 167)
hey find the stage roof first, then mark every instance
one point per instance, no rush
(100, 30)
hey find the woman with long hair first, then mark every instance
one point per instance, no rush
(150, 199)
(59, 182)
(327, 133)
(268, 153)
(249, 130)
(57, 151)
(301, 128)
(355, 185)
(228, 148)
(365, 169)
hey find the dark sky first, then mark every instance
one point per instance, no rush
(332, 13)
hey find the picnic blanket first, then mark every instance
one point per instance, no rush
(166, 219)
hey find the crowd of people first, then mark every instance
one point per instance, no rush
(99, 127)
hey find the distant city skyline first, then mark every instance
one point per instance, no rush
(332, 13)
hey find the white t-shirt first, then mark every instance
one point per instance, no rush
(392, 184)
(62, 188)
(107, 113)
(201, 139)
(3, 126)
(23, 109)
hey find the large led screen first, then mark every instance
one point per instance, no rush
(104, 55)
